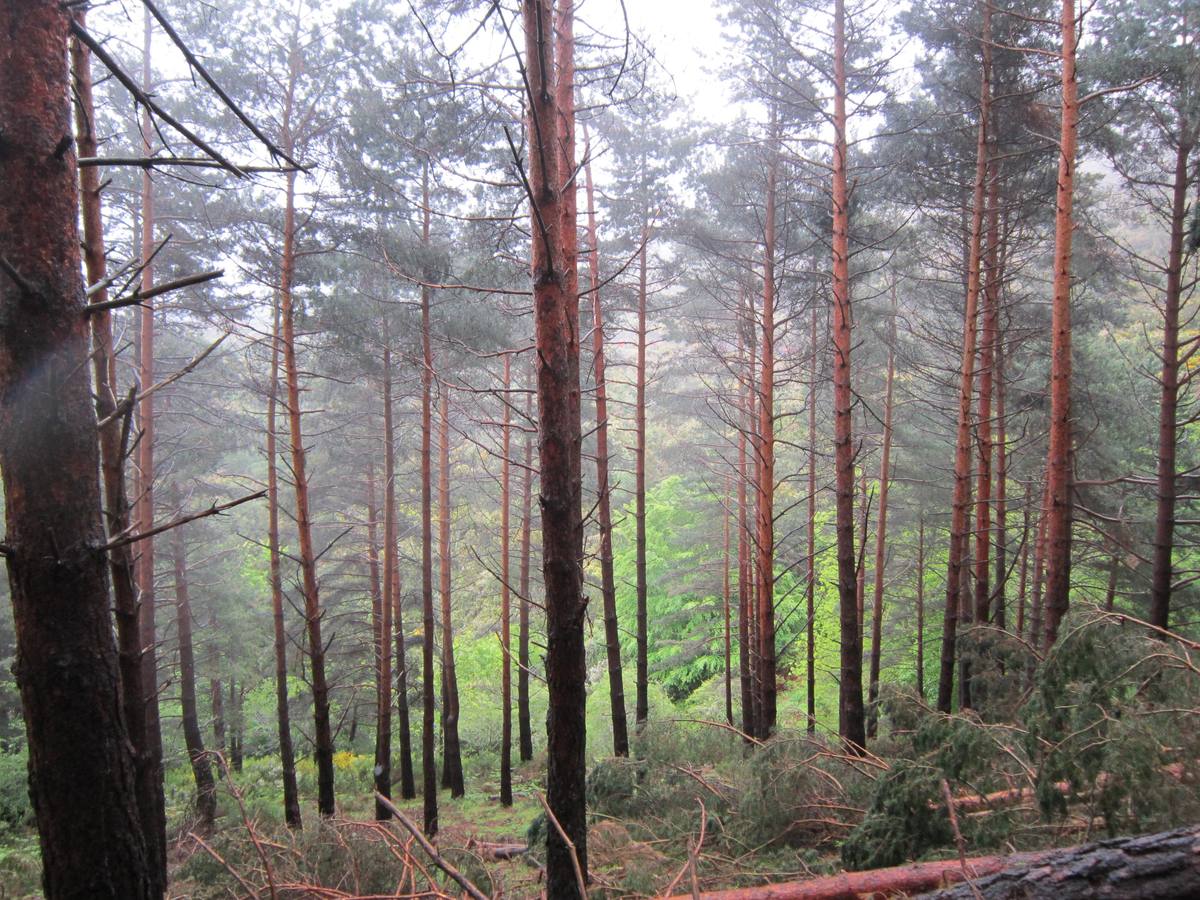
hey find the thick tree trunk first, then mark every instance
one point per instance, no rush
(81, 767)
(1058, 458)
(524, 727)
(1164, 523)
(556, 320)
(150, 752)
(506, 797)
(206, 789)
(313, 614)
(287, 755)
(851, 718)
(112, 444)
(452, 771)
(1131, 868)
(811, 573)
(766, 454)
(428, 743)
(608, 584)
(885, 475)
(959, 525)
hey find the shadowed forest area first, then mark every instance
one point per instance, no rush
(742, 448)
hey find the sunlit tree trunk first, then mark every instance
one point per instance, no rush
(608, 584)
(851, 717)
(959, 527)
(1058, 459)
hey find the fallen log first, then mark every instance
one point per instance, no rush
(1165, 865)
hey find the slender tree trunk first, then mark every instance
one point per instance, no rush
(608, 584)
(112, 443)
(1164, 524)
(381, 632)
(725, 595)
(150, 789)
(287, 755)
(428, 744)
(860, 566)
(745, 591)
(452, 772)
(1058, 458)
(313, 614)
(1024, 574)
(524, 728)
(216, 698)
(202, 769)
(236, 694)
(752, 426)
(921, 606)
(885, 474)
(556, 323)
(766, 452)
(851, 718)
(1039, 568)
(962, 449)
(998, 600)
(639, 489)
(82, 772)
(811, 574)
(1110, 593)
(506, 797)
(408, 787)
(987, 362)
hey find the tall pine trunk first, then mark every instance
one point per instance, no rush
(81, 767)
(811, 566)
(381, 642)
(506, 797)
(1164, 523)
(556, 320)
(745, 591)
(851, 718)
(428, 743)
(642, 711)
(766, 453)
(608, 584)
(287, 755)
(959, 526)
(452, 772)
(524, 726)
(1058, 457)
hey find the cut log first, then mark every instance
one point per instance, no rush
(1165, 865)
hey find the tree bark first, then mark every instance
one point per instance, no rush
(81, 768)
(428, 744)
(1058, 457)
(313, 614)
(959, 528)
(921, 606)
(811, 573)
(851, 718)
(381, 635)
(642, 711)
(608, 584)
(556, 321)
(987, 363)
(745, 591)
(524, 727)
(287, 755)
(885, 474)
(1164, 523)
(452, 772)
(506, 797)
(206, 788)
(727, 503)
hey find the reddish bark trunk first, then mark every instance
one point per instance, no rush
(745, 591)
(313, 614)
(766, 454)
(1039, 569)
(1058, 457)
(452, 772)
(999, 602)
(608, 584)
(556, 320)
(987, 363)
(962, 449)
(206, 789)
(1164, 524)
(287, 755)
(811, 574)
(885, 474)
(851, 718)
(82, 771)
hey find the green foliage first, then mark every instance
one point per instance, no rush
(16, 813)
(903, 821)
